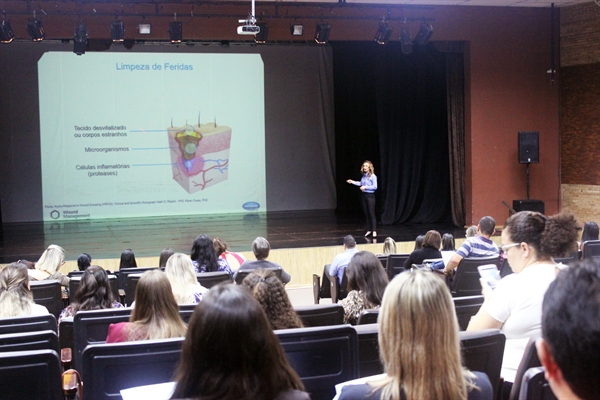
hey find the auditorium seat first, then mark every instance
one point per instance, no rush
(590, 249)
(122, 275)
(66, 336)
(132, 281)
(320, 314)
(28, 324)
(30, 375)
(369, 362)
(75, 273)
(210, 279)
(383, 260)
(76, 280)
(368, 316)
(465, 308)
(243, 273)
(483, 351)
(48, 294)
(534, 385)
(466, 279)
(395, 264)
(530, 360)
(39, 340)
(338, 290)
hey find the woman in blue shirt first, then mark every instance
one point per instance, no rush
(368, 185)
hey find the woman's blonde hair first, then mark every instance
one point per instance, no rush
(181, 275)
(371, 168)
(389, 246)
(156, 314)
(51, 260)
(15, 297)
(419, 343)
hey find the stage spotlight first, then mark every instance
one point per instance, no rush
(406, 44)
(80, 40)
(263, 34)
(6, 33)
(297, 30)
(322, 33)
(383, 33)
(117, 31)
(144, 28)
(35, 29)
(424, 34)
(176, 31)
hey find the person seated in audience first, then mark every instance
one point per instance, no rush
(16, 299)
(47, 266)
(471, 231)
(448, 247)
(268, 290)
(127, 259)
(233, 259)
(590, 232)
(261, 249)
(164, 256)
(430, 250)
(155, 315)
(419, 345)
(366, 281)
(419, 242)
(230, 352)
(181, 275)
(83, 261)
(204, 257)
(93, 293)
(570, 344)
(478, 246)
(529, 241)
(29, 264)
(341, 261)
(389, 246)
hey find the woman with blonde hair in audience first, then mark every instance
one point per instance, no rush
(419, 346)
(16, 299)
(389, 246)
(268, 289)
(181, 275)
(231, 353)
(155, 315)
(47, 266)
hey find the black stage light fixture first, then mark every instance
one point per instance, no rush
(383, 33)
(406, 45)
(80, 39)
(176, 31)
(322, 33)
(262, 35)
(424, 34)
(6, 33)
(35, 29)
(117, 31)
(297, 30)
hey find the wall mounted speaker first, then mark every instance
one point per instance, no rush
(529, 147)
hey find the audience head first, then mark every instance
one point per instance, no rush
(367, 167)
(448, 242)
(537, 238)
(389, 246)
(15, 296)
(83, 261)
(418, 339)
(471, 231)
(419, 242)
(349, 242)
(203, 252)
(590, 231)
(156, 314)
(164, 256)
(94, 292)
(365, 273)
(432, 239)
(570, 348)
(51, 259)
(487, 226)
(220, 246)
(261, 248)
(269, 291)
(231, 352)
(127, 259)
(29, 264)
(181, 275)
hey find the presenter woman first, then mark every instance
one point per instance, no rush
(368, 185)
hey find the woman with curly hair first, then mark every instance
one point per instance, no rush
(529, 241)
(16, 299)
(204, 257)
(270, 293)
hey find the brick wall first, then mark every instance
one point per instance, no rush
(580, 34)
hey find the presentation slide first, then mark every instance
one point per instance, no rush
(151, 134)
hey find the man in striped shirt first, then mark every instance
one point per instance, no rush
(478, 246)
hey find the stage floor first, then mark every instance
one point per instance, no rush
(104, 239)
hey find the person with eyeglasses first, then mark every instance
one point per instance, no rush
(529, 241)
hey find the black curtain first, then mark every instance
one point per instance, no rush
(391, 108)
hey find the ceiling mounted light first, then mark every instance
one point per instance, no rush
(175, 31)
(406, 45)
(383, 33)
(117, 31)
(263, 34)
(297, 30)
(424, 34)
(322, 33)
(6, 33)
(144, 28)
(35, 29)
(80, 39)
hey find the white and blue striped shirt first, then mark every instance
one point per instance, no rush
(477, 246)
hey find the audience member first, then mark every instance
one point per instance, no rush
(570, 348)
(16, 299)
(93, 293)
(155, 315)
(419, 242)
(366, 281)
(47, 266)
(164, 256)
(529, 241)
(204, 257)
(233, 259)
(430, 250)
(270, 293)
(181, 275)
(477, 246)
(341, 261)
(590, 232)
(127, 259)
(29, 264)
(419, 345)
(83, 261)
(230, 352)
(471, 231)
(448, 248)
(261, 249)
(389, 246)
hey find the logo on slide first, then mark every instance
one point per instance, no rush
(54, 214)
(251, 206)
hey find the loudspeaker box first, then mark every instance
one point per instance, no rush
(529, 144)
(529, 205)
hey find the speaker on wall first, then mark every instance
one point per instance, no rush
(529, 147)
(529, 205)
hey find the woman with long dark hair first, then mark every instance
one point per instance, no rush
(368, 186)
(204, 257)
